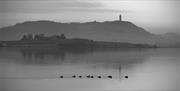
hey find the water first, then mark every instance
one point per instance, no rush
(38, 69)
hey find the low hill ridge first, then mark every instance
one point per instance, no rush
(115, 31)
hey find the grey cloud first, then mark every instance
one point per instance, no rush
(41, 6)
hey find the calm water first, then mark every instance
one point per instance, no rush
(23, 69)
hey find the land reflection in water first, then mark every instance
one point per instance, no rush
(145, 67)
(42, 56)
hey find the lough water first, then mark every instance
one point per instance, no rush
(39, 69)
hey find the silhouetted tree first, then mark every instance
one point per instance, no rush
(41, 36)
(55, 37)
(29, 37)
(62, 36)
(24, 37)
(36, 37)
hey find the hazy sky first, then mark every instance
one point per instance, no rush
(156, 16)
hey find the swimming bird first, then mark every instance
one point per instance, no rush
(110, 77)
(88, 76)
(99, 76)
(74, 76)
(126, 77)
(80, 76)
(61, 76)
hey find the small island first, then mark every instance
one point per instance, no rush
(40, 40)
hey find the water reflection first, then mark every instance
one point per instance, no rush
(148, 69)
(54, 56)
(78, 61)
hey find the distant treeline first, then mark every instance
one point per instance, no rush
(42, 37)
(40, 40)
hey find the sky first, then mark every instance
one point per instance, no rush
(156, 16)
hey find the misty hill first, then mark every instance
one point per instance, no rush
(115, 31)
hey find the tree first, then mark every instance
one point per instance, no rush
(29, 37)
(36, 37)
(62, 36)
(24, 37)
(41, 36)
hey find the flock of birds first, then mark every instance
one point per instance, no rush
(89, 76)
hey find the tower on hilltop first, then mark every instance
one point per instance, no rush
(120, 17)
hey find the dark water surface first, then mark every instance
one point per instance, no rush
(36, 69)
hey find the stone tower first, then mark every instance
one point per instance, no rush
(120, 17)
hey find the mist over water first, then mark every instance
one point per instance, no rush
(34, 69)
(25, 68)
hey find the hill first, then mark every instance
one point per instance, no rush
(114, 31)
